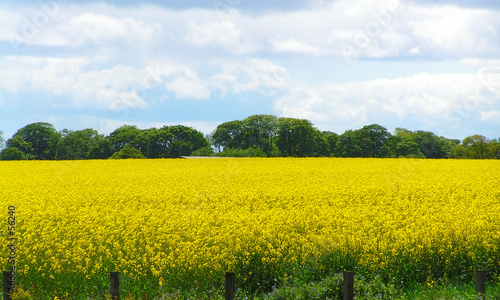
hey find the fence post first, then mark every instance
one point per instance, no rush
(114, 285)
(348, 285)
(480, 284)
(230, 285)
(7, 284)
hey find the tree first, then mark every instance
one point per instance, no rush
(477, 147)
(296, 137)
(185, 140)
(12, 153)
(332, 140)
(495, 148)
(258, 131)
(100, 149)
(372, 140)
(123, 136)
(36, 141)
(228, 135)
(348, 145)
(401, 144)
(127, 151)
(77, 144)
(155, 143)
(433, 146)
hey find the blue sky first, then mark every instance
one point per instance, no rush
(420, 65)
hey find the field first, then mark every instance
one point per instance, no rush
(176, 226)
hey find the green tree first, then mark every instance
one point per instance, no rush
(127, 151)
(259, 131)
(349, 145)
(332, 139)
(401, 144)
(296, 137)
(185, 140)
(12, 153)
(494, 146)
(100, 149)
(433, 146)
(77, 144)
(372, 140)
(477, 147)
(155, 143)
(321, 144)
(228, 135)
(36, 141)
(123, 136)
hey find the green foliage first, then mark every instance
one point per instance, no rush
(329, 288)
(36, 141)
(101, 148)
(228, 135)
(256, 131)
(373, 141)
(256, 135)
(205, 151)
(127, 151)
(123, 136)
(296, 137)
(402, 145)
(13, 153)
(332, 140)
(78, 144)
(259, 132)
(20, 294)
(348, 145)
(477, 147)
(165, 142)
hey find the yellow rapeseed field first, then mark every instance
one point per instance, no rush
(167, 222)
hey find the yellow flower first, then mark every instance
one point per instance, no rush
(184, 217)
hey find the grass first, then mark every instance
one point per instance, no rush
(330, 287)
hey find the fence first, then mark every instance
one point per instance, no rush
(230, 285)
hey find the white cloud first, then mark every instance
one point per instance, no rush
(219, 34)
(446, 99)
(254, 75)
(103, 29)
(453, 31)
(491, 116)
(490, 78)
(106, 56)
(343, 28)
(194, 88)
(105, 88)
(294, 46)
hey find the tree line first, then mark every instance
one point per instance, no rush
(257, 135)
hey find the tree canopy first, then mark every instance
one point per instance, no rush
(256, 135)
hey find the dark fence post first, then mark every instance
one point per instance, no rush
(480, 284)
(7, 284)
(230, 285)
(114, 285)
(348, 285)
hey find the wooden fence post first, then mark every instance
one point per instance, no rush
(114, 285)
(7, 284)
(348, 285)
(230, 285)
(480, 284)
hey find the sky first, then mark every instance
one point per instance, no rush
(342, 64)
